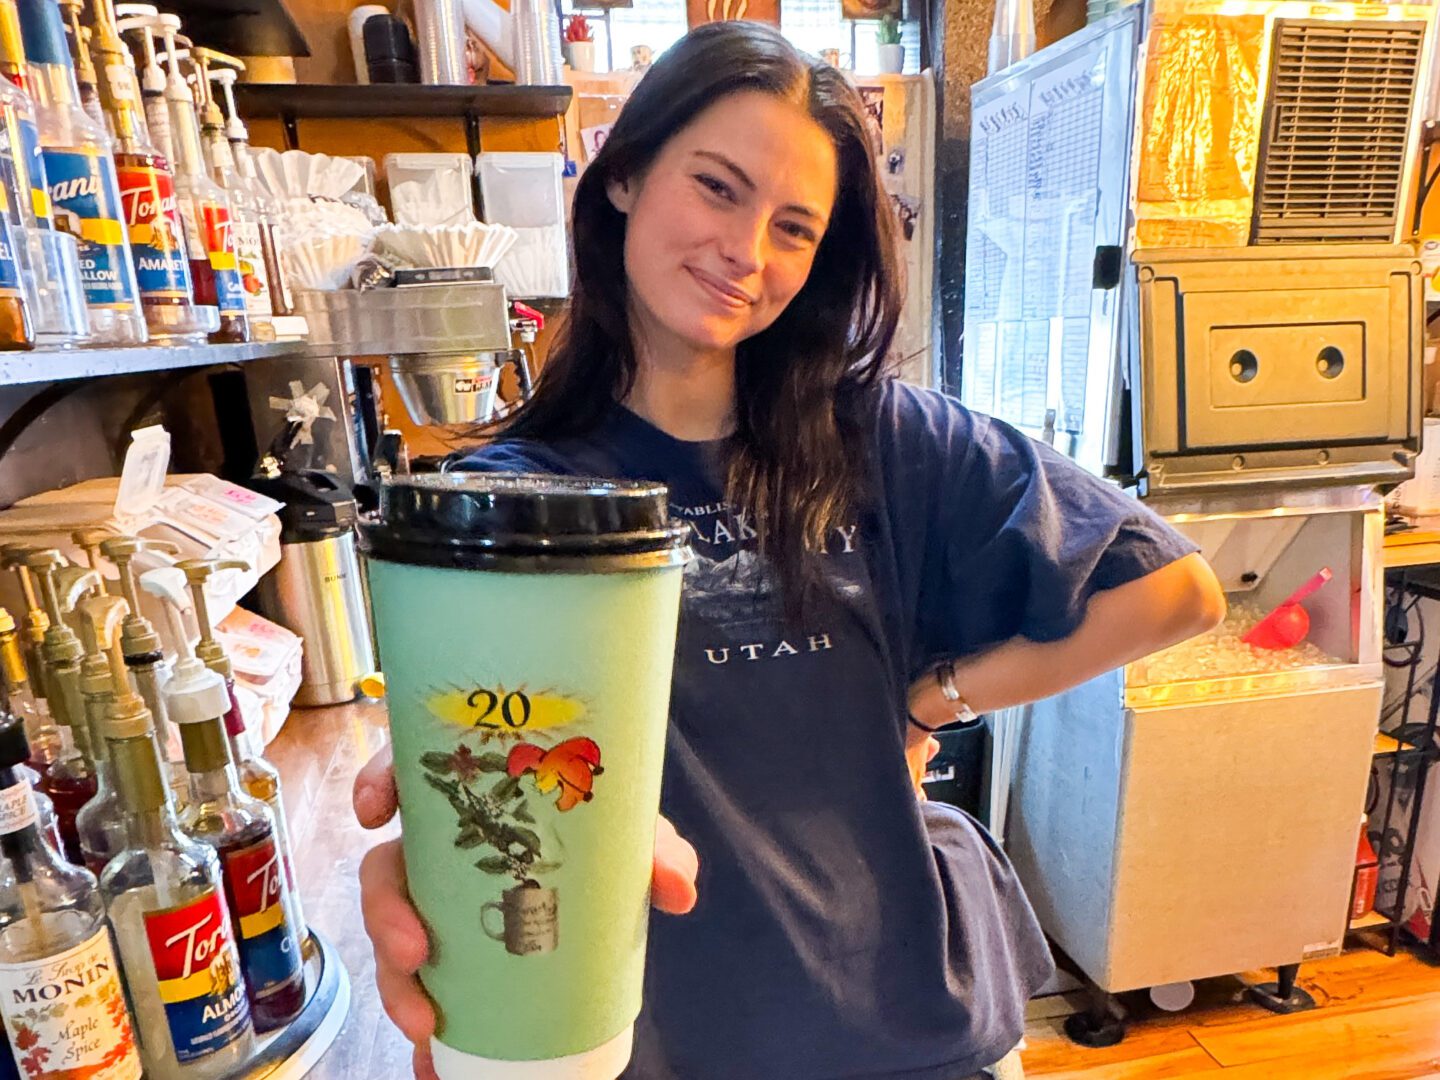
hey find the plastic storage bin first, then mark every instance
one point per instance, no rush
(429, 189)
(526, 192)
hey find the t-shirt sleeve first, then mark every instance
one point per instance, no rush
(509, 456)
(1025, 538)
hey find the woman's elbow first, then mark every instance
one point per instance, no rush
(1201, 605)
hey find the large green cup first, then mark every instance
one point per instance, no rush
(526, 627)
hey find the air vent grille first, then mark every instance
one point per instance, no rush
(1332, 161)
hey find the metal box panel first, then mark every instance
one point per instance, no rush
(1163, 845)
(1306, 359)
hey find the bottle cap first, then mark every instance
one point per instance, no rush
(14, 746)
(43, 31)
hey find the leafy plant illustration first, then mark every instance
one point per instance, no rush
(485, 791)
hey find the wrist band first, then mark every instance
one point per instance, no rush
(923, 727)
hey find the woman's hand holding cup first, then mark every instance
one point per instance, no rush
(395, 929)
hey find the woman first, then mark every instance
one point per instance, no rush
(736, 295)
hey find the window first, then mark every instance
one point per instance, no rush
(813, 25)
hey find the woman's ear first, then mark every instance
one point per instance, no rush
(622, 194)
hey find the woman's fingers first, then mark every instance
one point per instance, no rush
(405, 1003)
(394, 928)
(374, 795)
(424, 1067)
(672, 889)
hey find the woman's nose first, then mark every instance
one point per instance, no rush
(743, 245)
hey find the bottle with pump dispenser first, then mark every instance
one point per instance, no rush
(80, 171)
(242, 832)
(144, 655)
(12, 557)
(77, 34)
(138, 24)
(147, 197)
(54, 944)
(49, 260)
(99, 824)
(22, 704)
(271, 225)
(68, 780)
(257, 775)
(203, 204)
(164, 896)
(247, 223)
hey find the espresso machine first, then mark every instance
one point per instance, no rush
(1189, 268)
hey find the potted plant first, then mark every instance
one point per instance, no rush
(892, 53)
(580, 43)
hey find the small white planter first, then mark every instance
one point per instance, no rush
(892, 59)
(582, 55)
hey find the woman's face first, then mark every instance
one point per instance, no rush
(724, 225)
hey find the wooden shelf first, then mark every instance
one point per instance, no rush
(1369, 919)
(1387, 744)
(315, 101)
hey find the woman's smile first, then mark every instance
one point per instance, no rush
(725, 294)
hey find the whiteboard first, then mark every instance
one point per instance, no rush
(1050, 146)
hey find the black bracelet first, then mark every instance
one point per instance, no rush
(923, 727)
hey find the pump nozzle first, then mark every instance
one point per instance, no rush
(137, 635)
(126, 716)
(200, 60)
(74, 582)
(175, 88)
(44, 562)
(146, 19)
(226, 78)
(197, 573)
(99, 620)
(12, 557)
(88, 541)
(194, 692)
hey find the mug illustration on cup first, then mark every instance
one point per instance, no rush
(488, 792)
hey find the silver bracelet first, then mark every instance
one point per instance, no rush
(965, 716)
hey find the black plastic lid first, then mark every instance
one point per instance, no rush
(523, 521)
(14, 746)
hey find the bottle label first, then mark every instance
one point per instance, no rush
(87, 203)
(199, 976)
(251, 257)
(17, 808)
(157, 236)
(66, 1015)
(9, 268)
(35, 171)
(220, 245)
(269, 951)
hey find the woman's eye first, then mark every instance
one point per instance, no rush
(797, 231)
(715, 186)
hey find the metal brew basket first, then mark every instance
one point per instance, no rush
(454, 389)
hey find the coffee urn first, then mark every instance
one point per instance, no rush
(317, 591)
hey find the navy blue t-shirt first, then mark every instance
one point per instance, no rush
(845, 928)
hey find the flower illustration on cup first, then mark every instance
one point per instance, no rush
(490, 794)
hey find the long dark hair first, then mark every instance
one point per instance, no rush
(793, 463)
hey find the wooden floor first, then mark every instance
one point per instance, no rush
(1378, 1018)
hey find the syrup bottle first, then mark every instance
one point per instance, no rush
(84, 194)
(242, 832)
(164, 896)
(99, 823)
(147, 196)
(213, 264)
(257, 775)
(22, 131)
(55, 947)
(246, 223)
(17, 685)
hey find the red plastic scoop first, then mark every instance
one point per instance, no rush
(1287, 625)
